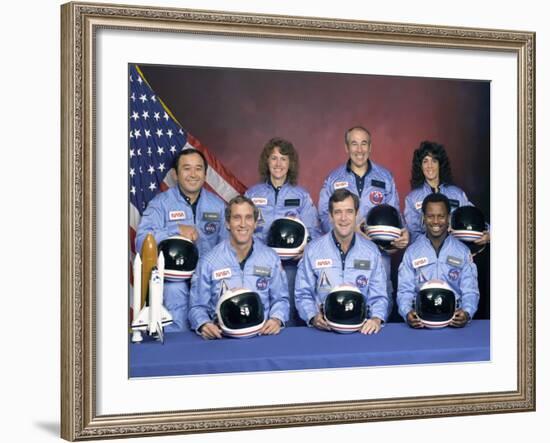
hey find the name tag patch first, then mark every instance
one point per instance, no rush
(361, 264)
(323, 263)
(292, 202)
(378, 184)
(262, 271)
(454, 261)
(176, 215)
(222, 273)
(453, 203)
(340, 185)
(259, 201)
(419, 262)
(211, 216)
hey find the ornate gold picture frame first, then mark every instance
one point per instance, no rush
(81, 246)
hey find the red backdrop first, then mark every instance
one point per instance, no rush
(235, 111)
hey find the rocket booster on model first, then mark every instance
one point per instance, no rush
(148, 261)
(154, 317)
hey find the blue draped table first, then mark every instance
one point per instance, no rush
(294, 348)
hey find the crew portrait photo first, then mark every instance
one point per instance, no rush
(295, 220)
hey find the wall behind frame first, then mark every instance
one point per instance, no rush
(235, 111)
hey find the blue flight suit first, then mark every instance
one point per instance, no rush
(324, 266)
(378, 187)
(262, 274)
(286, 201)
(413, 205)
(161, 218)
(453, 265)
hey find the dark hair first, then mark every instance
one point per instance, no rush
(190, 151)
(340, 195)
(237, 200)
(361, 128)
(436, 197)
(285, 148)
(437, 152)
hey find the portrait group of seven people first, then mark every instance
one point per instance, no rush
(231, 239)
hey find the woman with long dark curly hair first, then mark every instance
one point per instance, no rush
(431, 172)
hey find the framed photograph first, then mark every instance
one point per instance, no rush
(480, 83)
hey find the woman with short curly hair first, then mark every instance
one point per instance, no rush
(277, 196)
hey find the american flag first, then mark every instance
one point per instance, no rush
(155, 138)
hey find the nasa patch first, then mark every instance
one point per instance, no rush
(290, 214)
(419, 262)
(376, 197)
(210, 228)
(259, 201)
(221, 273)
(418, 205)
(323, 263)
(454, 274)
(176, 215)
(261, 284)
(340, 185)
(361, 281)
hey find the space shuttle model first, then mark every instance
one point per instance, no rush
(150, 315)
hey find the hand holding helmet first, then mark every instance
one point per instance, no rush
(460, 318)
(468, 226)
(435, 306)
(383, 226)
(240, 314)
(210, 331)
(345, 311)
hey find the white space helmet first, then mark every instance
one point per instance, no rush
(287, 236)
(180, 258)
(435, 304)
(240, 313)
(344, 309)
(383, 225)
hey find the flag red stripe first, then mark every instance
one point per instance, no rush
(217, 165)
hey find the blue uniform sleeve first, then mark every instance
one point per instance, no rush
(200, 296)
(324, 196)
(377, 297)
(223, 234)
(310, 218)
(304, 289)
(463, 199)
(278, 294)
(413, 218)
(406, 287)
(393, 196)
(152, 221)
(469, 288)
